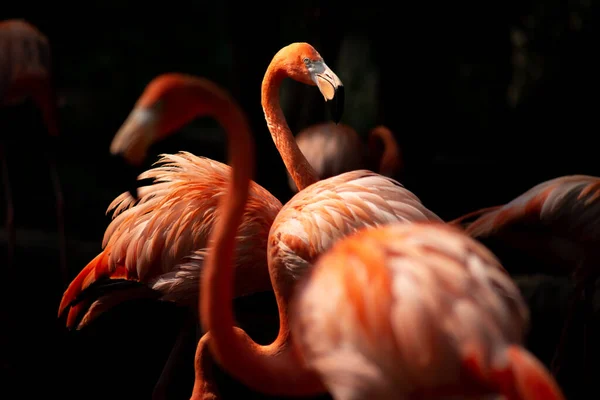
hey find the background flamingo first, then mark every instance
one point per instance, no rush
(553, 228)
(415, 311)
(306, 226)
(332, 149)
(26, 72)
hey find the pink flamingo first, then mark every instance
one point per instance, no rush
(308, 225)
(25, 71)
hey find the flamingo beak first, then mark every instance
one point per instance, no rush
(128, 174)
(330, 86)
(131, 144)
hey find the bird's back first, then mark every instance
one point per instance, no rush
(176, 214)
(330, 209)
(162, 240)
(556, 222)
(397, 310)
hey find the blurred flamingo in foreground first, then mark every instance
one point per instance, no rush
(25, 72)
(556, 224)
(416, 311)
(333, 149)
(308, 225)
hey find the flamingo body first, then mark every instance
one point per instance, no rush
(410, 311)
(555, 221)
(332, 208)
(161, 241)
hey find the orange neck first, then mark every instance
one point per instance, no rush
(274, 369)
(217, 282)
(204, 383)
(298, 167)
(388, 159)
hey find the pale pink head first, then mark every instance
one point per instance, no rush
(169, 101)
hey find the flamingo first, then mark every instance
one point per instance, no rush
(336, 148)
(415, 311)
(25, 72)
(556, 223)
(320, 214)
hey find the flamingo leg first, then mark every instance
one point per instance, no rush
(588, 338)
(10, 215)
(60, 219)
(180, 360)
(560, 351)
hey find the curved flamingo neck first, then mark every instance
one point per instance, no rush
(389, 160)
(217, 282)
(204, 383)
(273, 369)
(297, 165)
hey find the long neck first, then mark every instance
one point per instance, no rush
(44, 95)
(389, 159)
(298, 167)
(204, 383)
(274, 369)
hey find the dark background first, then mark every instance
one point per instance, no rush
(486, 100)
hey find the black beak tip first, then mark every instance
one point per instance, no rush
(336, 105)
(134, 193)
(128, 175)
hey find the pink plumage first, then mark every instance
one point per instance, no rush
(413, 311)
(162, 240)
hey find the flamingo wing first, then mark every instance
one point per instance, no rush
(161, 241)
(567, 202)
(555, 222)
(332, 208)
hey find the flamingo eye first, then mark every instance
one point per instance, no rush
(306, 60)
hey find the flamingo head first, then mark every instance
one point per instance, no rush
(303, 63)
(169, 101)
